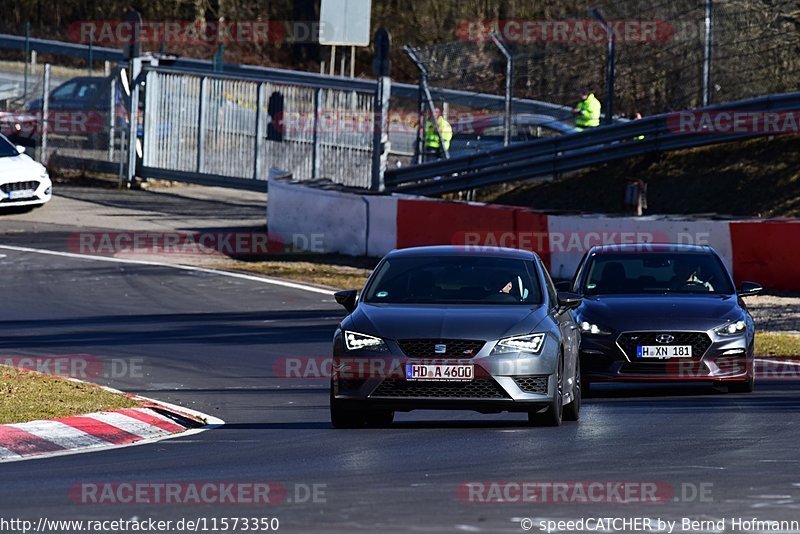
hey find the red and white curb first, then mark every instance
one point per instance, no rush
(100, 431)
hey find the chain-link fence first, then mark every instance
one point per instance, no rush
(661, 51)
(58, 114)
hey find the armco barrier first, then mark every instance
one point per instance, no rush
(767, 252)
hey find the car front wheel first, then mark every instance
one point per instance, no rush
(345, 418)
(554, 412)
(572, 410)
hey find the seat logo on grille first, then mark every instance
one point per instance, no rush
(440, 348)
(665, 338)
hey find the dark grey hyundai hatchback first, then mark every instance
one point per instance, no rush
(663, 312)
(456, 328)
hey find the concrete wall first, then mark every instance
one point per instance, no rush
(348, 223)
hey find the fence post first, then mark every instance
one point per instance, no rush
(112, 118)
(380, 141)
(507, 122)
(316, 153)
(27, 59)
(201, 124)
(707, 49)
(45, 112)
(136, 69)
(259, 134)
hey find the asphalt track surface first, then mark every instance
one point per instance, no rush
(211, 343)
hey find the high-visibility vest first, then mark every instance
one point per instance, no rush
(588, 112)
(432, 140)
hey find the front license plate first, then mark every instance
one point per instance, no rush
(664, 351)
(440, 373)
(25, 193)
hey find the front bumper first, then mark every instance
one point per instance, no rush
(508, 382)
(724, 360)
(41, 189)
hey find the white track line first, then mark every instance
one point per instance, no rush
(6, 455)
(253, 278)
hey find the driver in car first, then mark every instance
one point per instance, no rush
(686, 275)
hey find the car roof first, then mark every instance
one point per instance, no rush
(468, 250)
(657, 248)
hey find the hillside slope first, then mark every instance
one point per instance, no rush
(754, 178)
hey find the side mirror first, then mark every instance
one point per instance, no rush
(564, 285)
(20, 149)
(568, 301)
(347, 299)
(749, 289)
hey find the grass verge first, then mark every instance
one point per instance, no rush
(326, 271)
(28, 396)
(776, 345)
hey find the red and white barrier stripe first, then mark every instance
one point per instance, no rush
(84, 432)
(766, 252)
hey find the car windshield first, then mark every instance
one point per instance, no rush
(7, 149)
(455, 280)
(678, 273)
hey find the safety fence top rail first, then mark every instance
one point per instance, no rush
(325, 81)
(449, 172)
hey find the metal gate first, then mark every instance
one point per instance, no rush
(217, 129)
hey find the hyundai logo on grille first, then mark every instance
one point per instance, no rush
(665, 338)
(440, 348)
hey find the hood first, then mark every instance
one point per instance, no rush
(659, 312)
(20, 167)
(393, 321)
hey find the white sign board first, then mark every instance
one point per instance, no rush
(345, 22)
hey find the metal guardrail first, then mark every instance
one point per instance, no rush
(570, 152)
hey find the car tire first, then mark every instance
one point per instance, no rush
(745, 386)
(345, 418)
(379, 418)
(553, 415)
(572, 411)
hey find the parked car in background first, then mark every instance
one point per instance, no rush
(79, 109)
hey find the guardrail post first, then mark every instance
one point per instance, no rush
(201, 124)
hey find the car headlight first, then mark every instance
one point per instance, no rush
(732, 329)
(531, 343)
(593, 329)
(355, 341)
